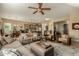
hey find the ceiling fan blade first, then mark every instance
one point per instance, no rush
(46, 8)
(32, 7)
(40, 5)
(42, 12)
(34, 12)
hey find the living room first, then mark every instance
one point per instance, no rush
(39, 29)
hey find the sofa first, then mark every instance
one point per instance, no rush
(15, 44)
(25, 39)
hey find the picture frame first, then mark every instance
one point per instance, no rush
(75, 26)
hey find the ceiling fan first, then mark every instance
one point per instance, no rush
(40, 8)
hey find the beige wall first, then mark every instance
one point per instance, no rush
(74, 17)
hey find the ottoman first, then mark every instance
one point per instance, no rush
(42, 49)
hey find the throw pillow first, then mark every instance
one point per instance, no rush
(8, 39)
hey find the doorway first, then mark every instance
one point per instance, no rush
(65, 28)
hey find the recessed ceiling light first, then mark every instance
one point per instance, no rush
(47, 19)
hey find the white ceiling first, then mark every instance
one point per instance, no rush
(20, 11)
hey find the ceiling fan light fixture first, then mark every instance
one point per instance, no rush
(39, 10)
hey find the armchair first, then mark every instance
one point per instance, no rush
(65, 39)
